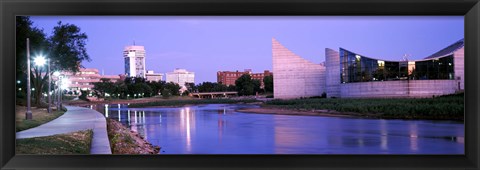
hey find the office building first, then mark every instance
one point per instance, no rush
(229, 77)
(152, 76)
(180, 76)
(84, 79)
(134, 57)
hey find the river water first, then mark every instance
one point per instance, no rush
(219, 129)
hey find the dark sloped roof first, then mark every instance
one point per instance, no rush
(448, 50)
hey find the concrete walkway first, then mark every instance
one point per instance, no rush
(75, 119)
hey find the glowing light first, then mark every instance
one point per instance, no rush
(358, 57)
(381, 63)
(65, 83)
(40, 61)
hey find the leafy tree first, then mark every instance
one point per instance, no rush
(206, 87)
(38, 44)
(213, 87)
(66, 52)
(173, 88)
(68, 47)
(245, 85)
(83, 95)
(268, 83)
(256, 86)
(104, 86)
(166, 93)
(156, 87)
(191, 87)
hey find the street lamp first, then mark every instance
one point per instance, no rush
(59, 93)
(40, 61)
(28, 114)
(57, 74)
(63, 85)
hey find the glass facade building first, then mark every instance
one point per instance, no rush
(358, 68)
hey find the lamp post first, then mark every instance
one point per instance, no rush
(59, 94)
(40, 61)
(28, 114)
(49, 88)
(63, 85)
(56, 74)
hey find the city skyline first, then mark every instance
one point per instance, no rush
(205, 45)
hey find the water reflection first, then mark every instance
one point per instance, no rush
(413, 136)
(383, 135)
(216, 129)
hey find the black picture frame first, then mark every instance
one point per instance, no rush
(468, 8)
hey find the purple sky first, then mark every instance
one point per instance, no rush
(209, 44)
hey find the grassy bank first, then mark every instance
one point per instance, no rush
(193, 102)
(39, 117)
(71, 143)
(449, 107)
(124, 141)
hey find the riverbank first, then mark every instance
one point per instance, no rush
(39, 117)
(177, 103)
(71, 143)
(82, 103)
(449, 107)
(125, 141)
(280, 111)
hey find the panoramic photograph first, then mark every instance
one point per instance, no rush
(137, 85)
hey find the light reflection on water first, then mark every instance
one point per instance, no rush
(219, 129)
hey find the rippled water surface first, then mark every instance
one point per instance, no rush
(219, 129)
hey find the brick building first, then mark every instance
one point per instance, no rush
(229, 77)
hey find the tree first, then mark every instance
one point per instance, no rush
(246, 86)
(191, 87)
(67, 51)
(212, 87)
(268, 83)
(38, 43)
(156, 87)
(68, 47)
(173, 88)
(104, 86)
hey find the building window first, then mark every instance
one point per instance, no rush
(356, 68)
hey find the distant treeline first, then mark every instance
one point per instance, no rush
(136, 87)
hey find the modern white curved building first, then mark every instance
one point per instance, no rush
(347, 74)
(294, 76)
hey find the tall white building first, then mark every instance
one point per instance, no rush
(134, 61)
(180, 76)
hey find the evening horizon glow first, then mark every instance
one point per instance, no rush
(208, 44)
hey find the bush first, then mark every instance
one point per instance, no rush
(83, 95)
(166, 93)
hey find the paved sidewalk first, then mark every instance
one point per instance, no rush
(75, 119)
